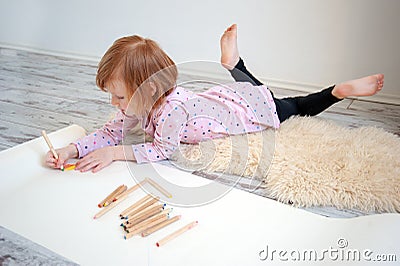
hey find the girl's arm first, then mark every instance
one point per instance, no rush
(169, 125)
(110, 134)
(123, 152)
(98, 159)
(98, 149)
(101, 148)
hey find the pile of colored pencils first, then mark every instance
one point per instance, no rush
(145, 216)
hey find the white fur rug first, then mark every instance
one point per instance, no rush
(310, 162)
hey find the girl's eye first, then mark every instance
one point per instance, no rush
(120, 97)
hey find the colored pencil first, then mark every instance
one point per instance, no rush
(157, 219)
(176, 233)
(140, 223)
(53, 151)
(135, 205)
(133, 231)
(153, 210)
(111, 196)
(158, 187)
(160, 225)
(130, 190)
(142, 208)
(144, 219)
(68, 167)
(109, 207)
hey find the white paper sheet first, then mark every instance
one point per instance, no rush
(55, 209)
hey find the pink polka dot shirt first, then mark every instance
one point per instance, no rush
(188, 117)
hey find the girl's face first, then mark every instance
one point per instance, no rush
(120, 95)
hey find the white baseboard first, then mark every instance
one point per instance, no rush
(93, 59)
(272, 83)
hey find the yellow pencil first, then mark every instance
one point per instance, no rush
(176, 233)
(69, 167)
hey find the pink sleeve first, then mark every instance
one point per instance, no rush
(167, 136)
(109, 135)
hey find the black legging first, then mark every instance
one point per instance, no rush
(309, 105)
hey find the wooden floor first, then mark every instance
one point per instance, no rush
(40, 91)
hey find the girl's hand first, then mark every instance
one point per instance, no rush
(96, 160)
(64, 154)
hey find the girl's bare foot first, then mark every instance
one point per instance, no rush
(229, 48)
(365, 86)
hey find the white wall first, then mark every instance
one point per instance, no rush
(315, 42)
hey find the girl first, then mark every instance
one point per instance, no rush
(141, 79)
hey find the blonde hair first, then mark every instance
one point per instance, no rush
(147, 71)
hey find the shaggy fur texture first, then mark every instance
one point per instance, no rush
(310, 162)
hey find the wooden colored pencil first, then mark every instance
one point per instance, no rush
(68, 167)
(135, 205)
(158, 187)
(112, 196)
(158, 219)
(130, 190)
(145, 214)
(52, 150)
(144, 219)
(148, 219)
(46, 138)
(120, 198)
(176, 233)
(160, 225)
(153, 210)
(133, 231)
(141, 208)
(109, 207)
(107, 200)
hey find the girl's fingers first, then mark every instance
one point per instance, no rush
(89, 165)
(61, 161)
(50, 160)
(81, 163)
(50, 164)
(98, 168)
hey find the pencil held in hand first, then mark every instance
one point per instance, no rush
(53, 151)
